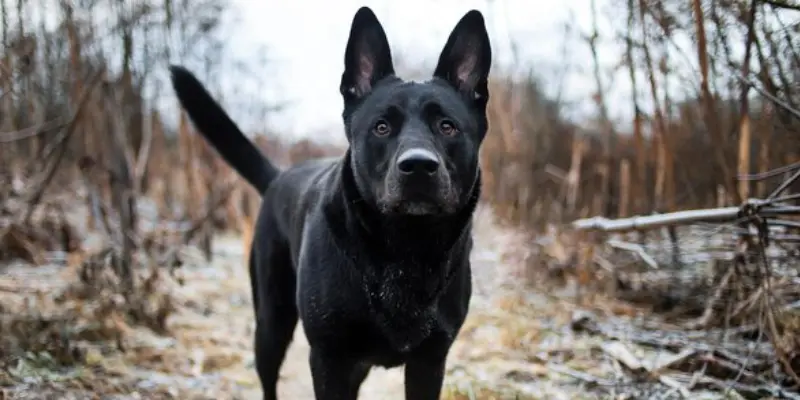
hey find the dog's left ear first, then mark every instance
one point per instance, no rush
(467, 57)
(367, 58)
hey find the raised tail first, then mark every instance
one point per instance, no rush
(217, 127)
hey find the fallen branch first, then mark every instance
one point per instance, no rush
(711, 215)
(650, 222)
(751, 212)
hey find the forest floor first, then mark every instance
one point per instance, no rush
(519, 342)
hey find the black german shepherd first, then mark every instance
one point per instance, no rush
(371, 250)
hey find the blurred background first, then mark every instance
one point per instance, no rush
(116, 219)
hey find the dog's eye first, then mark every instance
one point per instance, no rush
(447, 128)
(381, 128)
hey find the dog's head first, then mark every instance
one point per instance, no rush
(414, 145)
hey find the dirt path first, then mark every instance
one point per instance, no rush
(220, 308)
(517, 343)
(505, 350)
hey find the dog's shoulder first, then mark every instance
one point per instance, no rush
(303, 179)
(298, 191)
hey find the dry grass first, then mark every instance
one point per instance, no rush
(562, 315)
(185, 332)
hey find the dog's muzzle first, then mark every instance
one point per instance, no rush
(419, 183)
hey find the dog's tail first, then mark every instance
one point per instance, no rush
(217, 127)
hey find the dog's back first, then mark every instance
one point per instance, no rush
(293, 192)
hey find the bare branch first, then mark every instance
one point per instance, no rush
(778, 102)
(32, 131)
(68, 132)
(782, 4)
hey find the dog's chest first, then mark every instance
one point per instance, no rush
(402, 298)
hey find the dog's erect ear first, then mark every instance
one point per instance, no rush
(367, 58)
(467, 57)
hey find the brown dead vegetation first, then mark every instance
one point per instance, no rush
(99, 196)
(730, 135)
(97, 185)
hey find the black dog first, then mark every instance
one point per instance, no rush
(371, 250)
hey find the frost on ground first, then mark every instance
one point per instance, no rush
(517, 343)
(222, 313)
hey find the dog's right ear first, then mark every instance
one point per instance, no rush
(367, 58)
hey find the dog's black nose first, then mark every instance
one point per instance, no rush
(418, 161)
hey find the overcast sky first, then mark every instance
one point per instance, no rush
(305, 42)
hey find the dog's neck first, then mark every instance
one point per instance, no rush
(405, 262)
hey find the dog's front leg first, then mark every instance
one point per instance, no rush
(424, 377)
(335, 377)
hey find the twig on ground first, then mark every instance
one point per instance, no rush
(581, 376)
(621, 353)
(708, 314)
(636, 249)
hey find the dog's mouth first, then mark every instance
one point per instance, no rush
(418, 208)
(434, 197)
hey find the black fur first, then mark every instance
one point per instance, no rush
(371, 250)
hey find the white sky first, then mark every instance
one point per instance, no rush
(305, 42)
